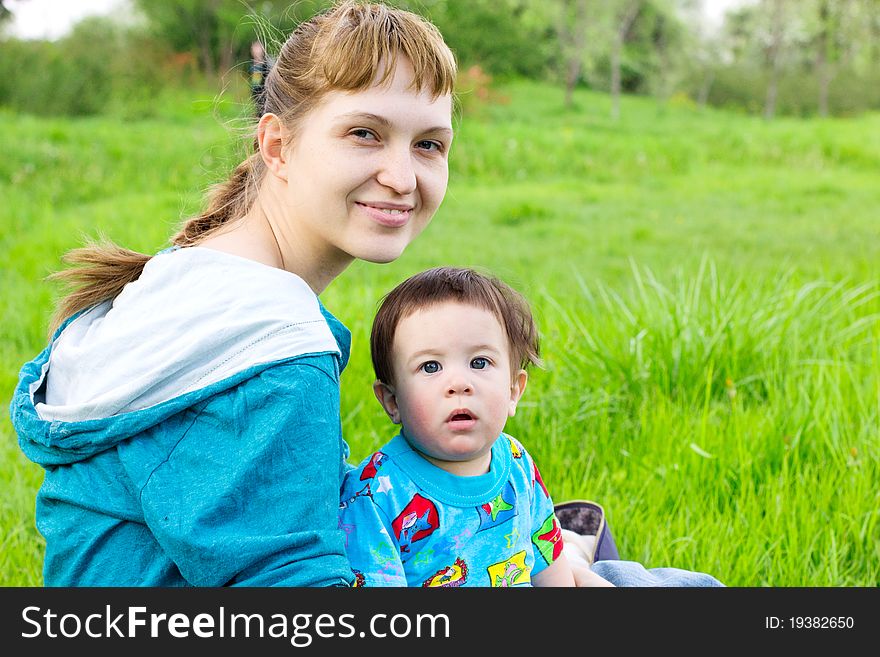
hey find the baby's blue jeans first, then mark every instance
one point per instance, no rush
(630, 573)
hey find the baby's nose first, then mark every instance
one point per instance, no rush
(459, 387)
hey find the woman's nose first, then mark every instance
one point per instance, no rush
(397, 172)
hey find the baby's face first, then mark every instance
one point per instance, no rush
(453, 385)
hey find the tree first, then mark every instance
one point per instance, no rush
(662, 40)
(571, 28)
(843, 28)
(773, 51)
(504, 37)
(824, 52)
(704, 49)
(219, 32)
(872, 14)
(625, 14)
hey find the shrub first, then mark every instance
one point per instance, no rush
(99, 67)
(745, 88)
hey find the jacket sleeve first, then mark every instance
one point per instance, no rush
(243, 488)
(372, 553)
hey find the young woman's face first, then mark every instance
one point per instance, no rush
(367, 170)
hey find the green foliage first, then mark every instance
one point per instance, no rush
(704, 338)
(652, 50)
(745, 88)
(503, 37)
(813, 40)
(103, 67)
(218, 33)
(97, 68)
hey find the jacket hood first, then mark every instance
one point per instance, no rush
(196, 322)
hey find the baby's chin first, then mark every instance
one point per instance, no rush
(469, 462)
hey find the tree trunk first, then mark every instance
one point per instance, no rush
(623, 28)
(770, 101)
(574, 42)
(874, 32)
(823, 68)
(227, 57)
(773, 60)
(205, 55)
(616, 50)
(664, 77)
(824, 88)
(705, 88)
(574, 71)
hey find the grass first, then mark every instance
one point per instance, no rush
(706, 285)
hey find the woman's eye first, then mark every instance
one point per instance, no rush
(431, 367)
(479, 363)
(428, 145)
(363, 133)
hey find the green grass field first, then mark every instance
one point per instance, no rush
(706, 285)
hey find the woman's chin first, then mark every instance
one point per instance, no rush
(380, 256)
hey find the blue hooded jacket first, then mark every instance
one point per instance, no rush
(190, 431)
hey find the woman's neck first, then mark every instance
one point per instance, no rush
(257, 237)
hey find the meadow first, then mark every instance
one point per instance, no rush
(706, 285)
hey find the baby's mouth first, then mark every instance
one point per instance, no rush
(461, 419)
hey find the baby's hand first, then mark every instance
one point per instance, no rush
(583, 576)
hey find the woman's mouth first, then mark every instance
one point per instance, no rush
(390, 215)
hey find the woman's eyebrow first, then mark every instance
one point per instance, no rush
(365, 116)
(385, 123)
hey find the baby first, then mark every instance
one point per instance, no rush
(451, 500)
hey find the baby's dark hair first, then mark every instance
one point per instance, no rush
(461, 285)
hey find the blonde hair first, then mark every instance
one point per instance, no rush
(343, 49)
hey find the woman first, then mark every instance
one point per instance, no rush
(187, 409)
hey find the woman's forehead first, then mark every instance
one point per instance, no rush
(394, 99)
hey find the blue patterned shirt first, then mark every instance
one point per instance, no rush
(410, 523)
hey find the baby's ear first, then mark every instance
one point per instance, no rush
(388, 398)
(517, 388)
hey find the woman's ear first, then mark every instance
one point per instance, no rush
(270, 139)
(517, 388)
(388, 398)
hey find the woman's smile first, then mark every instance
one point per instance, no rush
(390, 215)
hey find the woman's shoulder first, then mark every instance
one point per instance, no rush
(208, 277)
(192, 322)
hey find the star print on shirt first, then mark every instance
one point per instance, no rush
(497, 506)
(382, 552)
(461, 539)
(512, 537)
(424, 557)
(498, 510)
(444, 546)
(418, 520)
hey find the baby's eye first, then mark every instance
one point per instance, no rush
(480, 363)
(431, 367)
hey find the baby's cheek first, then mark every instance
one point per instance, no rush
(419, 413)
